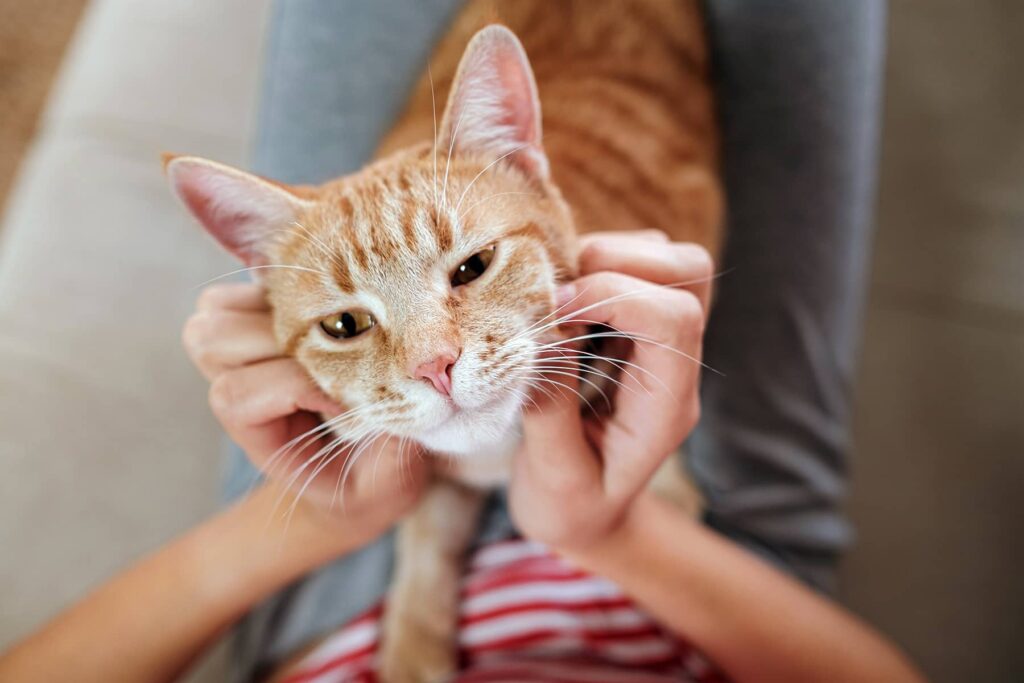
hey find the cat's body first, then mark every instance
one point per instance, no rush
(630, 135)
(428, 353)
(629, 119)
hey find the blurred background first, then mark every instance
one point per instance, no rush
(105, 453)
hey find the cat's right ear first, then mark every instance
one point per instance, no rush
(240, 210)
(493, 108)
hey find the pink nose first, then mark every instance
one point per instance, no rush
(439, 372)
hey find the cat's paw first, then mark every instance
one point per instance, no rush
(417, 647)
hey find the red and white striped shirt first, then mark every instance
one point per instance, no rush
(527, 615)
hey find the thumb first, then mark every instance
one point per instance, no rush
(555, 450)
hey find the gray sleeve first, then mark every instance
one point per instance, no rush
(798, 87)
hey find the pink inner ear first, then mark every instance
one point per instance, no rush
(226, 224)
(494, 104)
(239, 210)
(518, 98)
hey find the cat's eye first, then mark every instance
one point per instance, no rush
(347, 324)
(473, 267)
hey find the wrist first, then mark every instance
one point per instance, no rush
(603, 553)
(256, 547)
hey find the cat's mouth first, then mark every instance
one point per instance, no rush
(473, 430)
(456, 411)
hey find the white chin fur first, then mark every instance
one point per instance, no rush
(488, 432)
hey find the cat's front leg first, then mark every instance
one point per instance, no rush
(422, 612)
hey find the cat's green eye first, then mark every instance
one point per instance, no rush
(347, 324)
(473, 267)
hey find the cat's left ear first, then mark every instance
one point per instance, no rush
(493, 107)
(240, 210)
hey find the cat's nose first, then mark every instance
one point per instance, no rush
(438, 371)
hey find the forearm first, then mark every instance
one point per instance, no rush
(152, 620)
(754, 622)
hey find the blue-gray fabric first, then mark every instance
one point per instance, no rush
(798, 85)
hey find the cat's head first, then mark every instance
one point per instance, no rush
(415, 291)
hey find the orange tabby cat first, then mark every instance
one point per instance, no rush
(418, 291)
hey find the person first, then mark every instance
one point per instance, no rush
(768, 450)
(751, 620)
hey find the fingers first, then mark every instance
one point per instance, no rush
(553, 417)
(555, 455)
(681, 264)
(647, 234)
(235, 296)
(230, 328)
(269, 406)
(220, 339)
(264, 406)
(657, 404)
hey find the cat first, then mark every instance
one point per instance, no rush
(415, 290)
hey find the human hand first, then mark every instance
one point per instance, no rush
(266, 402)
(577, 474)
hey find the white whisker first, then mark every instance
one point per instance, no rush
(485, 169)
(350, 462)
(538, 327)
(433, 149)
(333, 256)
(615, 334)
(582, 398)
(245, 270)
(623, 295)
(448, 164)
(579, 378)
(307, 438)
(581, 367)
(615, 361)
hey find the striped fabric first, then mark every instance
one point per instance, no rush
(527, 615)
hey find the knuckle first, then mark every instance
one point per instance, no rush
(212, 297)
(695, 414)
(198, 337)
(596, 286)
(593, 250)
(223, 397)
(660, 309)
(696, 259)
(611, 282)
(664, 306)
(690, 413)
(680, 315)
(688, 310)
(655, 233)
(194, 332)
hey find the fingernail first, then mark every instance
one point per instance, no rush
(564, 294)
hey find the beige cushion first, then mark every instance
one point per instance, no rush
(107, 448)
